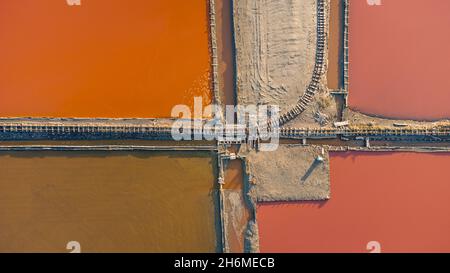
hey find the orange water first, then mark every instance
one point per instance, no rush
(399, 58)
(105, 58)
(400, 200)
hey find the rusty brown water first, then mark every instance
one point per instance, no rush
(236, 212)
(108, 201)
(225, 44)
(335, 46)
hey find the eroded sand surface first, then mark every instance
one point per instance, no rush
(290, 173)
(275, 50)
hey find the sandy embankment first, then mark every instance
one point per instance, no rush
(300, 176)
(357, 118)
(275, 50)
(276, 46)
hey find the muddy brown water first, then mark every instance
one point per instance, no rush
(108, 201)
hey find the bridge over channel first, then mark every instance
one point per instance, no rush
(100, 131)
